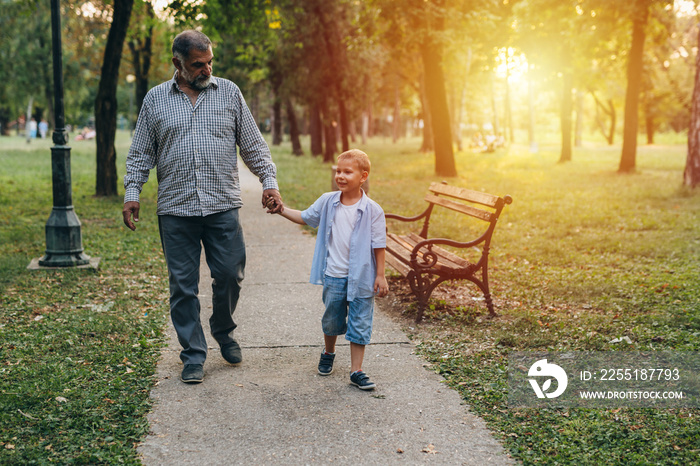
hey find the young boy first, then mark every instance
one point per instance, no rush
(348, 261)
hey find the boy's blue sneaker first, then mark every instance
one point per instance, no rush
(325, 364)
(361, 380)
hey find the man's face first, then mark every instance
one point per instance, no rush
(196, 70)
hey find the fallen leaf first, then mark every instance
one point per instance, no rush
(9, 446)
(429, 449)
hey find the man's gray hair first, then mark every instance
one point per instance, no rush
(188, 40)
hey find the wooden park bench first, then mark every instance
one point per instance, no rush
(425, 264)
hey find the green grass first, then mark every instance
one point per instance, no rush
(582, 256)
(78, 348)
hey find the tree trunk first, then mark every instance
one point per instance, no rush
(609, 109)
(276, 121)
(650, 111)
(649, 124)
(315, 130)
(691, 175)
(578, 128)
(439, 113)
(462, 97)
(293, 129)
(329, 129)
(567, 108)
(106, 101)
(634, 81)
(531, 113)
(141, 51)
(494, 109)
(396, 119)
(30, 105)
(508, 105)
(344, 126)
(427, 145)
(47, 81)
(334, 47)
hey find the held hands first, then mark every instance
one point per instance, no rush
(272, 200)
(131, 208)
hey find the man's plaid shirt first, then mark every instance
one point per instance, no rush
(194, 149)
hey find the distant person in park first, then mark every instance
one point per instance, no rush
(32, 128)
(188, 129)
(43, 128)
(348, 261)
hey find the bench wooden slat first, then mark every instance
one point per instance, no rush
(400, 267)
(465, 194)
(465, 209)
(398, 247)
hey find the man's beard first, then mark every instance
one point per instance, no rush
(200, 82)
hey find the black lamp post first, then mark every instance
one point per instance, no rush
(64, 247)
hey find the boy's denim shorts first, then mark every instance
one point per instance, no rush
(353, 319)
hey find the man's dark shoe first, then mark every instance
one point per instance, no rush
(192, 373)
(231, 352)
(361, 380)
(325, 364)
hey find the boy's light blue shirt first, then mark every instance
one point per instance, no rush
(369, 234)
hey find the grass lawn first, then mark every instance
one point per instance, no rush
(78, 348)
(581, 257)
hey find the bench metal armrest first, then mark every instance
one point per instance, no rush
(408, 219)
(429, 258)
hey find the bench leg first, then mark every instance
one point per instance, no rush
(483, 285)
(422, 288)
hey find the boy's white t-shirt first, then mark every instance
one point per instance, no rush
(338, 263)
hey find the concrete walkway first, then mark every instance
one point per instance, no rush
(275, 409)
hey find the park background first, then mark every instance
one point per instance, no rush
(601, 242)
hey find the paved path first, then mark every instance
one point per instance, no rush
(275, 409)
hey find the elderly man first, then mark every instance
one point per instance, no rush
(188, 129)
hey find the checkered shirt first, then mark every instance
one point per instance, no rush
(194, 149)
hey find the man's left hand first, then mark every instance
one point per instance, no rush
(272, 201)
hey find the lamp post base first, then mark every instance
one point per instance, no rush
(64, 246)
(93, 263)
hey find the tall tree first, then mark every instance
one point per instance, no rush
(423, 30)
(640, 17)
(140, 42)
(691, 175)
(431, 50)
(106, 101)
(545, 30)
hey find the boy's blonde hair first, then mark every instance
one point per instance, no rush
(358, 156)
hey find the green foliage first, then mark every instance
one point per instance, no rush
(78, 348)
(583, 256)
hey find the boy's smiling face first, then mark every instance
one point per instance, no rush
(349, 177)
